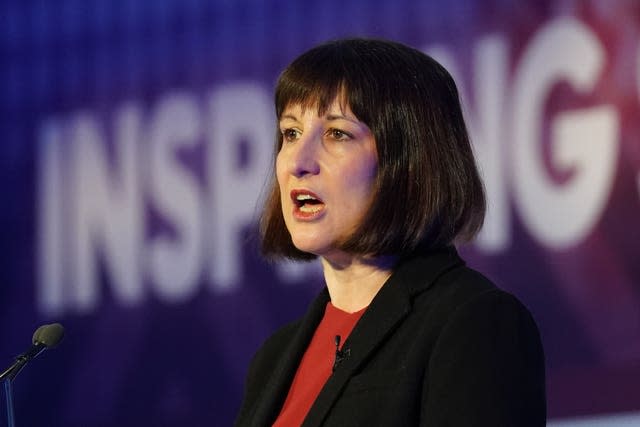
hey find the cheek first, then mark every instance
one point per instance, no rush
(281, 178)
(361, 188)
(364, 176)
(366, 183)
(280, 172)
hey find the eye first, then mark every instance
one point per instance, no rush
(339, 135)
(290, 134)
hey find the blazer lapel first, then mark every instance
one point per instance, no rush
(277, 388)
(390, 306)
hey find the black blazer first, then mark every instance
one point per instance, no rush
(439, 345)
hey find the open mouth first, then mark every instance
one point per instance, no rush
(306, 202)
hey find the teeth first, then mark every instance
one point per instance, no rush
(308, 204)
(310, 208)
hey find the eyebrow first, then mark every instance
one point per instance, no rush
(288, 116)
(338, 117)
(329, 117)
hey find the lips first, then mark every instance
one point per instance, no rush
(306, 205)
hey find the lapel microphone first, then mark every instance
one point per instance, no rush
(340, 354)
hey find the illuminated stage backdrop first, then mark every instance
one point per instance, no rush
(136, 141)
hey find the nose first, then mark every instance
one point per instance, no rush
(303, 156)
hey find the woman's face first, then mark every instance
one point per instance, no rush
(325, 169)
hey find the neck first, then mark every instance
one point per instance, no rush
(353, 281)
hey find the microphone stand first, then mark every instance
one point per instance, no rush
(46, 336)
(8, 375)
(11, 422)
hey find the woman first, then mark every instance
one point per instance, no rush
(375, 175)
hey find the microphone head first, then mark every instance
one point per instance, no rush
(49, 335)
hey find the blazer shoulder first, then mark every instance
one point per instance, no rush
(461, 285)
(262, 365)
(464, 296)
(271, 349)
(488, 358)
(472, 289)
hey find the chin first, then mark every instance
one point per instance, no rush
(311, 249)
(309, 245)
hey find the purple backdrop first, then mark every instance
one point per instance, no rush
(136, 141)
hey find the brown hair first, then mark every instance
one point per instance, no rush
(428, 192)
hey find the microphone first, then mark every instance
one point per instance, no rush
(340, 354)
(46, 336)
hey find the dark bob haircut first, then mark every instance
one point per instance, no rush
(428, 192)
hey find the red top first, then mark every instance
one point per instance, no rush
(316, 365)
